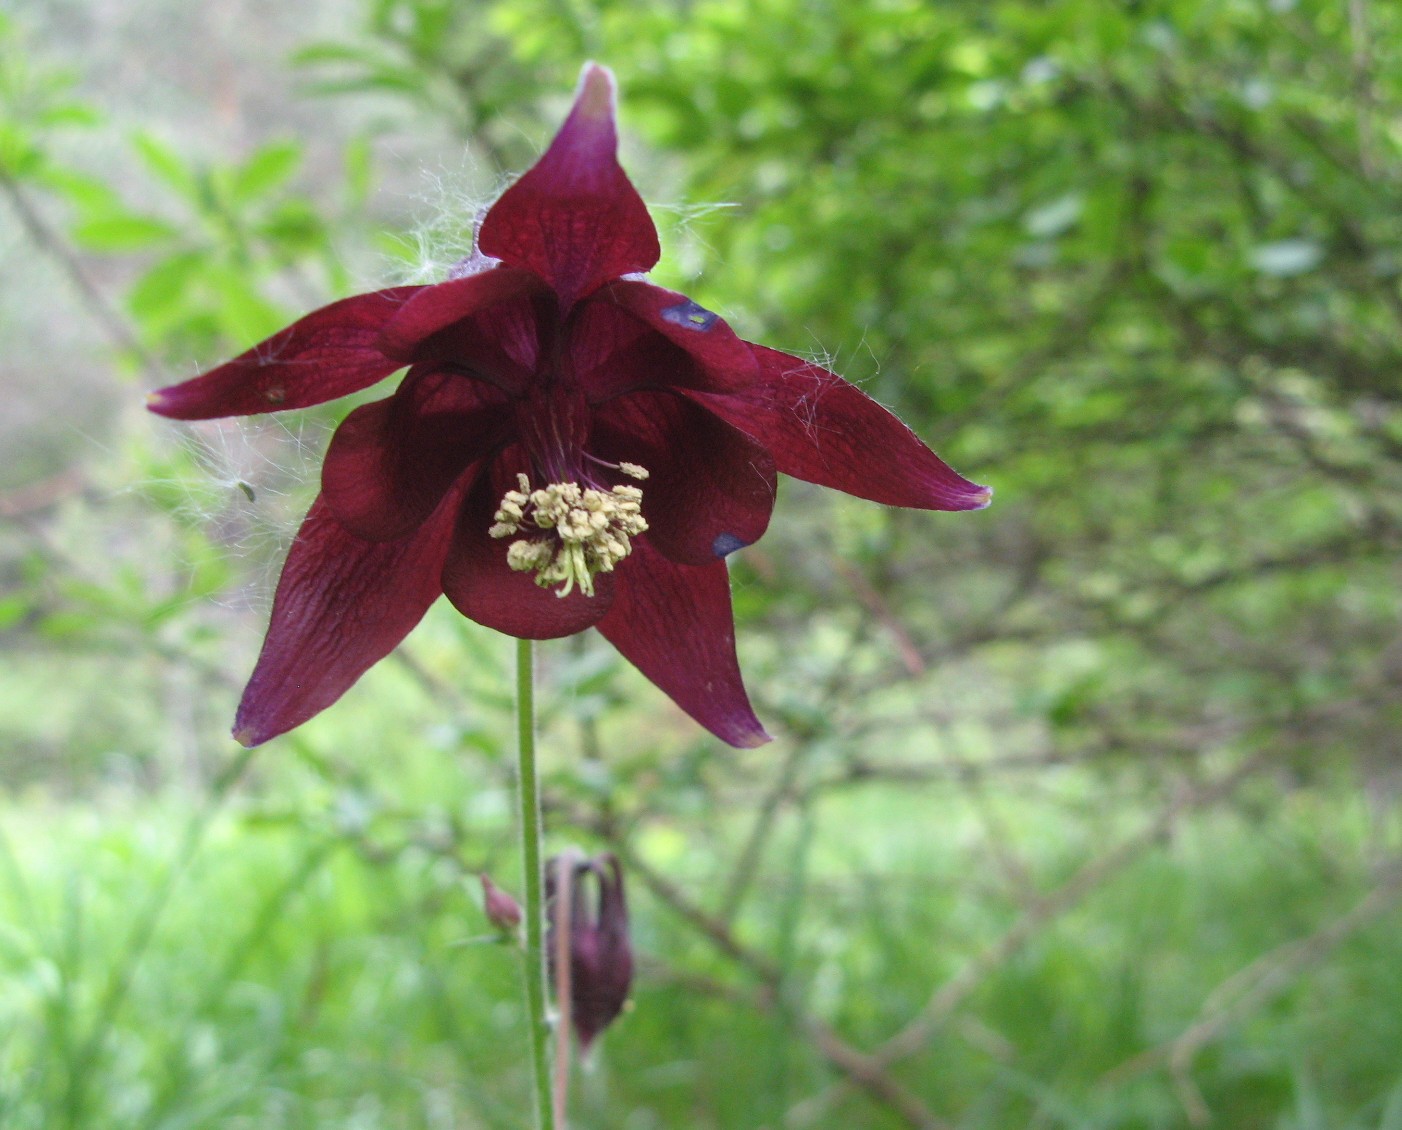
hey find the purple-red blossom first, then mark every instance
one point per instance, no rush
(600, 949)
(623, 437)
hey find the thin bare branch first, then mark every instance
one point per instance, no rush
(1251, 988)
(954, 992)
(747, 862)
(42, 234)
(861, 1070)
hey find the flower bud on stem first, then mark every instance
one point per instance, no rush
(502, 911)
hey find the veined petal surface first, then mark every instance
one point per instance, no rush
(330, 353)
(674, 624)
(825, 430)
(722, 360)
(391, 462)
(710, 487)
(416, 333)
(342, 605)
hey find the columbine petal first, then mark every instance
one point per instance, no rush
(575, 219)
(391, 462)
(710, 487)
(417, 331)
(484, 588)
(722, 361)
(612, 353)
(331, 352)
(342, 605)
(674, 623)
(824, 430)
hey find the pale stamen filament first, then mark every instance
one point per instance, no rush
(632, 470)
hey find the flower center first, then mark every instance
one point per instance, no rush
(583, 530)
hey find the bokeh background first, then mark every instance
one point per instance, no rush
(1083, 810)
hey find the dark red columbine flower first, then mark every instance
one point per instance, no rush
(572, 447)
(601, 954)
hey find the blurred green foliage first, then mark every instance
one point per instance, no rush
(1136, 265)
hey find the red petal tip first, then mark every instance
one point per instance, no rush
(245, 736)
(574, 219)
(597, 96)
(158, 402)
(752, 740)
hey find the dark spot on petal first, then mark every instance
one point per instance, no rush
(690, 315)
(726, 544)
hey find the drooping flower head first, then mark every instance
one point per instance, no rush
(571, 447)
(600, 949)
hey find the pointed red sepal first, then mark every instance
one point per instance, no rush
(330, 353)
(674, 624)
(825, 430)
(574, 218)
(342, 605)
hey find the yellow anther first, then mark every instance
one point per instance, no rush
(523, 556)
(584, 531)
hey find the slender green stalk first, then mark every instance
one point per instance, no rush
(528, 790)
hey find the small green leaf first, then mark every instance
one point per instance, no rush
(294, 226)
(91, 196)
(64, 625)
(166, 164)
(265, 170)
(19, 157)
(337, 53)
(162, 288)
(360, 171)
(400, 80)
(70, 114)
(431, 28)
(122, 232)
(13, 609)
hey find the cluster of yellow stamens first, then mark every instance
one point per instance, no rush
(585, 531)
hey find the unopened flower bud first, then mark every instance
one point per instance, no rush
(601, 955)
(503, 911)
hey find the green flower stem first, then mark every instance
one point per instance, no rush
(528, 790)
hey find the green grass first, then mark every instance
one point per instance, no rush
(321, 970)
